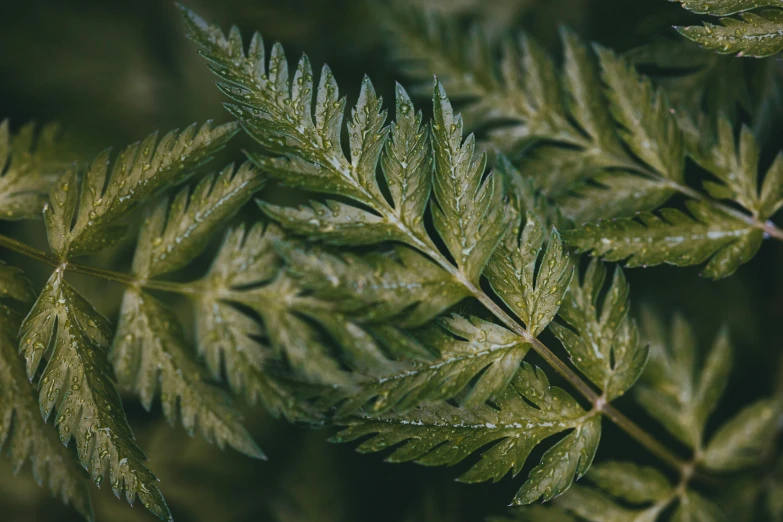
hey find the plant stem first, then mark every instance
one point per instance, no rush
(117, 277)
(598, 402)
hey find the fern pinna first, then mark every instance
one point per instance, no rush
(420, 301)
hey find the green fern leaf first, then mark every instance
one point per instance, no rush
(466, 349)
(138, 172)
(533, 295)
(753, 34)
(301, 143)
(469, 214)
(740, 442)
(403, 285)
(673, 237)
(29, 164)
(672, 390)
(227, 338)
(77, 381)
(246, 271)
(150, 351)
(647, 125)
(441, 434)
(611, 193)
(726, 7)
(174, 235)
(23, 434)
(603, 344)
(523, 92)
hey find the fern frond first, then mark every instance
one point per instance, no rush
(30, 161)
(23, 434)
(523, 92)
(150, 351)
(534, 295)
(77, 381)
(736, 167)
(441, 434)
(139, 171)
(671, 236)
(752, 34)
(466, 349)
(469, 214)
(726, 7)
(403, 285)
(247, 272)
(613, 194)
(301, 143)
(674, 390)
(175, 234)
(646, 123)
(603, 344)
(227, 338)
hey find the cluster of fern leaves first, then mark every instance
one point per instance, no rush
(421, 301)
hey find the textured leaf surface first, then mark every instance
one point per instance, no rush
(175, 234)
(603, 343)
(441, 434)
(30, 162)
(532, 284)
(298, 326)
(229, 339)
(301, 143)
(24, 436)
(150, 353)
(675, 389)
(673, 237)
(138, 172)
(648, 127)
(78, 382)
(470, 211)
(726, 7)
(466, 349)
(523, 97)
(752, 34)
(403, 286)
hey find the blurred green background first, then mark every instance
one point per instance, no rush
(113, 71)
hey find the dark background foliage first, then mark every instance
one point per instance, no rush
(111, 72)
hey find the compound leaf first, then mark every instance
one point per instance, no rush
(603, 344)
(78, 382)
(752, 34)
(469, 214)
(138, 172)
(175, 234)
(441, 434)
(150, 351)
(466, 349)
(23, 434)
(673, 237)
(29, 164)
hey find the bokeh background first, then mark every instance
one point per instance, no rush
(112, 71)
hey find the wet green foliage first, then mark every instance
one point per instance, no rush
(408, 274)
